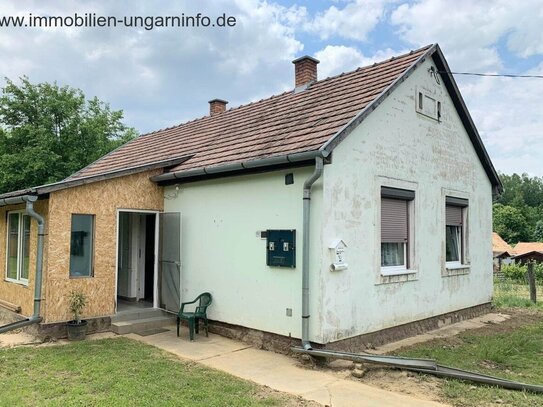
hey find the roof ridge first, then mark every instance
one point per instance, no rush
(360, 68)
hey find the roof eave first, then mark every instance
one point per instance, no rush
(248, 165)
(57, 186)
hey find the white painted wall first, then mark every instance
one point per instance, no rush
(395, 146)
(221, 252)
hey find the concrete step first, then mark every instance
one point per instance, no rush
(138, 313)
(144, 324)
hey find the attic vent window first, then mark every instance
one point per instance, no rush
(428, 105)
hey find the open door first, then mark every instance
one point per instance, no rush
(169, 262)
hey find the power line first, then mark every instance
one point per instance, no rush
(493, 74)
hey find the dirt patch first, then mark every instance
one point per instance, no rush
(265, 392)
(516, 318)
(429, 387)
(420, 386)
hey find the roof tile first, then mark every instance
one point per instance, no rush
(282, 124)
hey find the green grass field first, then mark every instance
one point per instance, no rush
(119, 372)
(508, 351)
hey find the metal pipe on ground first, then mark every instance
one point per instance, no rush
(426, 366)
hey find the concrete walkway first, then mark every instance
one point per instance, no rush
(278, 371)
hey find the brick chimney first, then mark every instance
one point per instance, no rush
(305, 71)
(217, 106)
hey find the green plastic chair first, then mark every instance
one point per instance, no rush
(193, 318)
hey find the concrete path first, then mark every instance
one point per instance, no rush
(277, 371)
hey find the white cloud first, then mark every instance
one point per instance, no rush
(163, 76)
(339, 58)
(469, 31)
(508, 114)
(354, 21)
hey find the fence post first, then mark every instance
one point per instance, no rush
(531, 282)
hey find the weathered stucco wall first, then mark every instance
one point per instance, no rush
(15, 293)
(222, 252)
(398, 147)
(101, 199)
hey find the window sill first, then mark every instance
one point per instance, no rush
(396, 271)
(397, 276)
(18, 282)
(455, 269)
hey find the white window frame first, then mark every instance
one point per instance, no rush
(402, 269)
(407, 267)
(460, 232)
(464, 258)
(20, 237)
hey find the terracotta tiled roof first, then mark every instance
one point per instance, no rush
(283, 124)
(499, 245)
(527, 247)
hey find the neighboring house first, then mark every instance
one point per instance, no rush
(501, 251)
(385, 163)
(525, 252)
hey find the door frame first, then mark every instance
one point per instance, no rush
(155, 252)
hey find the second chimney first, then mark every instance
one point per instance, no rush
(305, 71)
(217, 106)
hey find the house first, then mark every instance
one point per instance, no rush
(525, 252)
(344, 209)
(501, 251)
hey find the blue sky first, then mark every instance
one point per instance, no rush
(166, 76)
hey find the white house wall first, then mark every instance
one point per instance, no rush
(398, 147)
(223, 253)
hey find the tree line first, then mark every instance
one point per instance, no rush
(518, 212)
(48, 132)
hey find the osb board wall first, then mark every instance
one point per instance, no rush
(14, 293)
(101, 199)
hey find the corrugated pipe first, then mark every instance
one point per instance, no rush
(319, 165)
(35, 318)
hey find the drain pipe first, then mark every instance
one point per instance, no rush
(319, 165)
(35, 318)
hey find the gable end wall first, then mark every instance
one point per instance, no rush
(398, 147)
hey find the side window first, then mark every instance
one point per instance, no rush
(455, 230)
(18, 247)
(82, 246)
(395, 225)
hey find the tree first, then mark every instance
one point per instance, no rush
(509, 222)
(48, 132)
(538, 232)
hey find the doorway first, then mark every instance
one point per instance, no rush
(136, 260)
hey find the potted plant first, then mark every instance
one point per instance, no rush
(77, 328)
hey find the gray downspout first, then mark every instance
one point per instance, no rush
(319, 165)
(35, 318)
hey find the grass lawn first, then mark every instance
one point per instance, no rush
(120, 372)
(508, 293)
(512, 350)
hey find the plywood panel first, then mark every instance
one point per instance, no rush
(101, 199)
(18, 294)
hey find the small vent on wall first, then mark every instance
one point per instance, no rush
(428, 105)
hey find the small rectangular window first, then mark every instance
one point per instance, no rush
(455, 230)
(82, 246)
(395, 228)
(18, 247)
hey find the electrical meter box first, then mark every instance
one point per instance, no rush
(281, 248)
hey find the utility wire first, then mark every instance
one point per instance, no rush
(493, 74)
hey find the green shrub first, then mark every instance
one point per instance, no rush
(517, 272)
